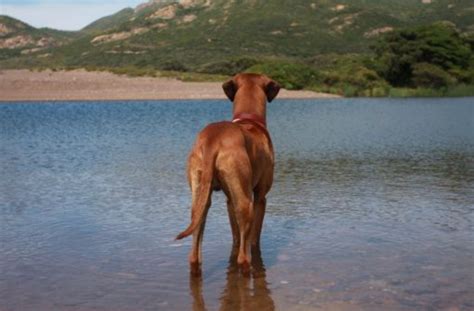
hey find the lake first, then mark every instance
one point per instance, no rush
(371, 208)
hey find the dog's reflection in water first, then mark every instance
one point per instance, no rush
(240, 292)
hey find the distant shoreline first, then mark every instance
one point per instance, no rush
(25, 85)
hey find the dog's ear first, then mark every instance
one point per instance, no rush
(230, 89)
(271, 90)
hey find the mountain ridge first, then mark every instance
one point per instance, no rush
(196, 32)
(21, 38)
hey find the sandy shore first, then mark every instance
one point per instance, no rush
(24, 85)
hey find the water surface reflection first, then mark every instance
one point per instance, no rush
(371, 208)
(240, 292)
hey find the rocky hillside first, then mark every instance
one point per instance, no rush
(20, 39)
(195, 33)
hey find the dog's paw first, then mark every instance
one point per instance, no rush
(195, 269)
(245, 268)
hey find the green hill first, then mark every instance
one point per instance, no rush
(195, 33)
(18, 39)
(225, 36)
(109, 22)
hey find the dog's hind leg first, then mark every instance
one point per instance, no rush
(260, 204)
(234, 227)
(236, 172)
(244, 211)
(195, 255)
(259, 207)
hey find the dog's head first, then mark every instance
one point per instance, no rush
(251, 82)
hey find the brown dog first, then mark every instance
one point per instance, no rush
(236, 157)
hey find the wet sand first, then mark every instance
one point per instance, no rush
(25, 85)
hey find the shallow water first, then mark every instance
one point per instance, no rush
(371, 208)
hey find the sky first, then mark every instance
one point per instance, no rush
(62, 14)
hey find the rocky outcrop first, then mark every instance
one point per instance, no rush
(183, 3)
(378, 31)
(4, 30)
(118, 35)
(342, 22)
(150, 3)
(16, 42)
(338, 7)
(188, 18)
(191, 3)
(168, 12)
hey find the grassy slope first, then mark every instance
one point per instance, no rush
(17, 28)
(278, 28)
(109, 22)
(313, 32)
(264, 28)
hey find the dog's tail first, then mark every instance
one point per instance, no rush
(199, 206)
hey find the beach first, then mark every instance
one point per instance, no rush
(25, 85)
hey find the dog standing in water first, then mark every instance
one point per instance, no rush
(236, 157)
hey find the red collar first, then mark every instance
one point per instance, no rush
(250, 117)
(254, 119)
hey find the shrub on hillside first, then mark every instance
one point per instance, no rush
(428, 75)
(356, 80)
(174, 65)
(228, 67)
(291, 76)
(439, 44)
(463, 76)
